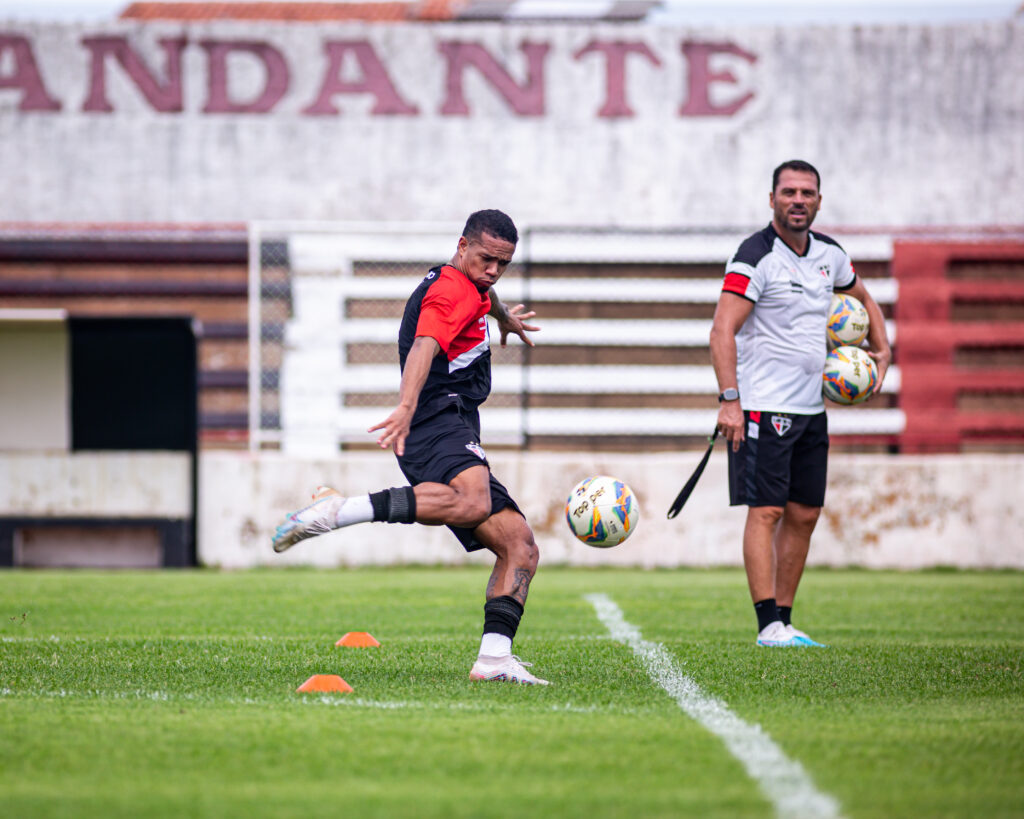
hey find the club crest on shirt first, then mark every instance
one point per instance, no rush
(781, 424)
(824, 270)
(477, 450)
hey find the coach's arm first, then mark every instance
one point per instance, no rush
(731, 312)
(878, 338)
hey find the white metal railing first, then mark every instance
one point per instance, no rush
(315, 377)
(507, 425)
(695, 291)
(590, 379)
(565, 332)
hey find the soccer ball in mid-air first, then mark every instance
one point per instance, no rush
(847, 321)
(602, 511)
(850, 375)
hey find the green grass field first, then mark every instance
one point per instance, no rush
(173, 694)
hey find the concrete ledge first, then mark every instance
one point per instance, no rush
(904, 512)
(95, 484)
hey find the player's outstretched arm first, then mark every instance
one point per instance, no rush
(414, 376)
(878, 339)
(512, 320)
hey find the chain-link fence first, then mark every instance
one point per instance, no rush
(621, 360)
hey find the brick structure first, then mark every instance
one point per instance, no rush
(196, 272)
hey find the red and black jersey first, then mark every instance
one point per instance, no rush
(448, 308)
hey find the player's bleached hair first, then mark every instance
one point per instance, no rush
(494, 222)
(795, 165)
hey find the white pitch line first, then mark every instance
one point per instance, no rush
(783, 780)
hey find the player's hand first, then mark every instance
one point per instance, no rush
(730, 423)
(396, 430)
(514, 321)
(882, 361)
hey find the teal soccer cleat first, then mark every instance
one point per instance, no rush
(802, 638)
(775, 635)
(318, 518)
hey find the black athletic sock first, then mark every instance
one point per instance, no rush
(767, 612)
(785, 614)
(502, 616)
(395, 505)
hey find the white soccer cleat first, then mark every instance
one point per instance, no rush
(775, 635)
(508, 669)
(318, 518)
(802, 638)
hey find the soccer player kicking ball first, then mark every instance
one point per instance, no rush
(445, 358)
(768, 351)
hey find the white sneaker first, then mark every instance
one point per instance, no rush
(318, 518)
(509, 668)
(802, 638)
(775, 635)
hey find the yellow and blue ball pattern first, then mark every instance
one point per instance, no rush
(847, 321)
(850, 375)
(602, 511)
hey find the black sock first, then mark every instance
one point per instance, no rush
(785, 614)
(502, 616)
(767, 612)
(395, 505)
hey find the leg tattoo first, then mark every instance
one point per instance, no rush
(521, 585)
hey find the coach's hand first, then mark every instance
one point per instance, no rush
(730, 422)
(882, 360)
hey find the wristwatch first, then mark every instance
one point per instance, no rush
(729, 394)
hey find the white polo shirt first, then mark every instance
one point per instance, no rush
(781, 346)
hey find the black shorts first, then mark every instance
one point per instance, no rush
(783, 457)
(439, 448)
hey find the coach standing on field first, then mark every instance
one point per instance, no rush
(768, 350)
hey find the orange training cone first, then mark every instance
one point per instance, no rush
(324, 683)
(358, 639)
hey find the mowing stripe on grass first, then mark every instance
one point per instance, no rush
(783, 780)
(393, 705)
(339, 700)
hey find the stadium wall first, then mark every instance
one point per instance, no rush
(589, 124)
(905, 512)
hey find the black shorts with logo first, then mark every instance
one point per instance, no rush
(783, 457)
(443, 445)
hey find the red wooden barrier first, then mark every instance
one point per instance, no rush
(929, 338)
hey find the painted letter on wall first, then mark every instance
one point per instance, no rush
(165, 96)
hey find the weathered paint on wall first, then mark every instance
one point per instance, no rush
(567, 124)
(903, 512)
(95, 484)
